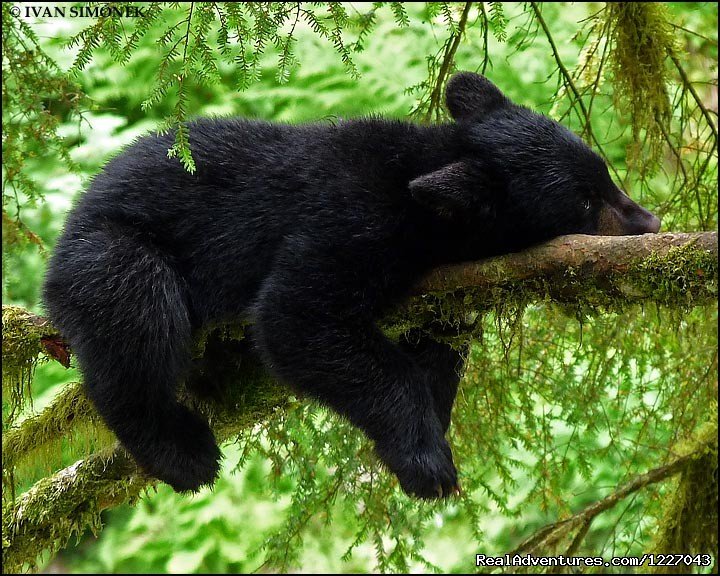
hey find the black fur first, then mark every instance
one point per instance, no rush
(310, 231)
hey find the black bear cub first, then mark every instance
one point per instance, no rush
(310, 231)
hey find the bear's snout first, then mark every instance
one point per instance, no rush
(653, 223)
(626, 218)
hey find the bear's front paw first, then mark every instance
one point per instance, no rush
(186, 457)
(426, 473)
(187, 471)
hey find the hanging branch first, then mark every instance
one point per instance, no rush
(689, 85)
(568, 81)
(451, 47)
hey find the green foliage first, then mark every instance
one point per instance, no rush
(207, 532)
(36, 94)
(552, 414)
(20, 355)
(241, 32)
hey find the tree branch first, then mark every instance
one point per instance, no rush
(448, 58)
(552, 533)
(589, 257)
(672, 269)
(71, 500)
(45, 517)
(689, 85)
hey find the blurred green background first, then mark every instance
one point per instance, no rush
(556, 409)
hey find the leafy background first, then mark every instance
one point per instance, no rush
(558, 406)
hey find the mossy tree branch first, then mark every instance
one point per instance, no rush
(600, 259)
(65, 504)
(672, 269)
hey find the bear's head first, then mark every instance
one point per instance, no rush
(523, 177)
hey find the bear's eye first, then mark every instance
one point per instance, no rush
(587, 204)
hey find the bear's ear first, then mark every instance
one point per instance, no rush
(470, 94)
(447, 191)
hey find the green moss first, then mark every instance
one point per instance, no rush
(247, 394)
(64, 505)
(642, 38)
(230, 331)
(68, 427)
(20, 348)
(230, 385)
(685, 276)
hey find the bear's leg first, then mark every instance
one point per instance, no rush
(442, 364)
(314, 334)
(123, 309)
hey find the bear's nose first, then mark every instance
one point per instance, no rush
(637, 220)
(644, 221)
(653, 224)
